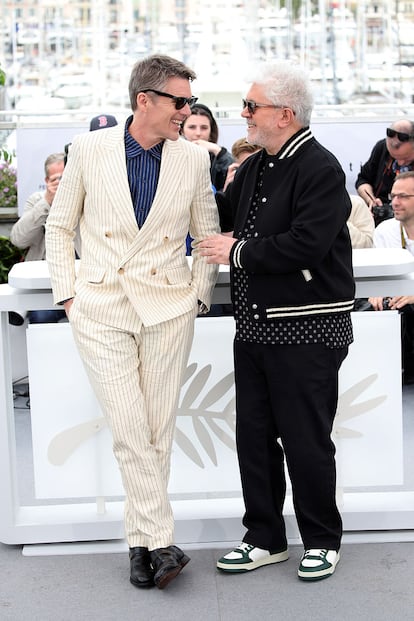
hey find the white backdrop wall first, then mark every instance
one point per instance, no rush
(351, 141)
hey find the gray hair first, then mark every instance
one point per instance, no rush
(408, 174)
(407, 121)
(153, 72)
(54, 158)
(286, 84)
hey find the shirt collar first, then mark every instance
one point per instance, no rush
(134, 149)
(294, 143)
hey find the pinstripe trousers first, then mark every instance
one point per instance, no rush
(136, 377)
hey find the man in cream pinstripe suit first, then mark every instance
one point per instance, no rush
(136, 190)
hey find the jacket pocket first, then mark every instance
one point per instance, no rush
(92, 273)
(178, 275)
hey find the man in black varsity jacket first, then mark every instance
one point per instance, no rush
(292, 289)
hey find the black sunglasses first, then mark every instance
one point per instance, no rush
(178, 101)
(253, 105)
(402, 136)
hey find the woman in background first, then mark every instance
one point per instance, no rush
(201, 127)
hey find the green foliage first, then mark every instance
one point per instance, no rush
(2, 77)
(9, 255)
(5, 155)
(8, 180)
(295, 4)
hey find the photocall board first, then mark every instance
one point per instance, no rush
(72, 451)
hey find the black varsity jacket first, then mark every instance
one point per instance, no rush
(298, 255)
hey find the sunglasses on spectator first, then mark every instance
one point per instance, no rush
(179, 102)
(402, 136)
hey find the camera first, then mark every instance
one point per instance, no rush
(386, 304)
(382, 212)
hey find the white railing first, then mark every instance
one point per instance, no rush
(345, 110)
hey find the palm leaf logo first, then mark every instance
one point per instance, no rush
(210, 423)
(65, 443)
(205, 419)
(348, 410)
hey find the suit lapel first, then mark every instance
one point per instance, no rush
(173, 166)
(111, 162)
(115, 180)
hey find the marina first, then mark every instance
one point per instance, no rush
(79, 56)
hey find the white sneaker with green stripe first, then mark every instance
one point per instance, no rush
(317, 564)
(247, 557)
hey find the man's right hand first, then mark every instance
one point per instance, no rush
(67, 306)
(377, 303)
(367, 194)
(52, 184)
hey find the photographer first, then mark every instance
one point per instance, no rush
(390, 156)
(28, 233)
(398, 232)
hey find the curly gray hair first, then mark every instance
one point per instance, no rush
(286, 84)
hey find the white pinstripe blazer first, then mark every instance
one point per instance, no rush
(125, 272)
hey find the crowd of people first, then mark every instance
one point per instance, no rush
(386, 184)
(389, 157)
(276, 210)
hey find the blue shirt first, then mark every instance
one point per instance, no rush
(143, 169)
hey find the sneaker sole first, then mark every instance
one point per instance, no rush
(312, 576)
(162, 582)
(237, 568)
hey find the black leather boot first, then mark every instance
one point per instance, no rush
(142, 574)
(181, 557)
(167, 563)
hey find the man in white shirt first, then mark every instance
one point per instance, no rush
(28, 233)
(398, 232)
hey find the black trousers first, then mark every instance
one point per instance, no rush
(288, 392)
(407, 343)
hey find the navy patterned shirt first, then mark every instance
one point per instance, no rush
(143, 168)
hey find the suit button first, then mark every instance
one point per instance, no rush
(166, 238)
(254, 306)
(255, 316)
(108, 234)
(121, 270)
(153, 271)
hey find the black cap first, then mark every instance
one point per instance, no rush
(102, 121)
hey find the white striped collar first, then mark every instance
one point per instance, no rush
(292, 146)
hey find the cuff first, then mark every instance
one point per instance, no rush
(202, 308)
(235, 254)
(64, 301)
